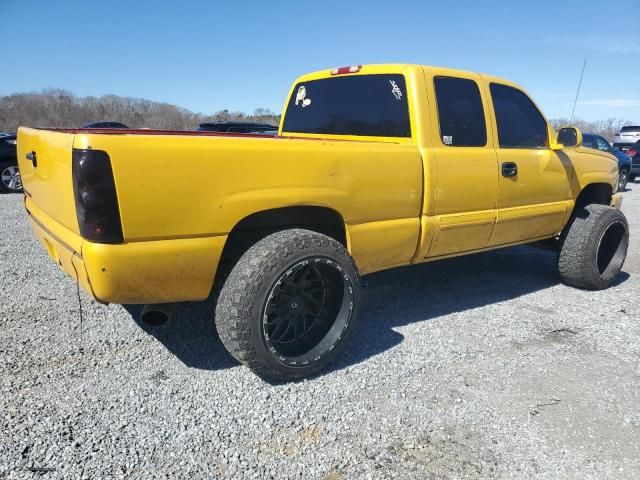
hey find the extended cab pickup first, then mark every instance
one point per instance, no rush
(373, 167)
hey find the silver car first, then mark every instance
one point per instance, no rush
(626, 137)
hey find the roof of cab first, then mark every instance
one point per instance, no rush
(364, 69)
(399, 68)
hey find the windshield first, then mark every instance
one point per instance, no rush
(367, 105)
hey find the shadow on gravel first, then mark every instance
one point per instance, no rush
(424, 292)
(191, 335)
(390, 299)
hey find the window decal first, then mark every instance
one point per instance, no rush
(395, 89)
(301, 97)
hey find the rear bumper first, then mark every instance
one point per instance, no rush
(616, 200)
(62, 245)
(156, 271)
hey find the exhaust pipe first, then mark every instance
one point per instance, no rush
(157, 314)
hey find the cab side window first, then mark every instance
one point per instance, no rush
(460, 112)
(603, 145)
(588, 141)
(520, 123)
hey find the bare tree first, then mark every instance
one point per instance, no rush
(60, 108)
(606, 128)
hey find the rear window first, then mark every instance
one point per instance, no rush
(367, 105)
(630, 129)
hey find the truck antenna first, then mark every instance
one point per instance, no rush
(578, 92)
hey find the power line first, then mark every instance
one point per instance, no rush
(578, 92)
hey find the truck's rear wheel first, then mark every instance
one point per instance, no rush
(594, 247)
(288, 305)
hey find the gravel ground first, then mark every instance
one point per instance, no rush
(476, 367)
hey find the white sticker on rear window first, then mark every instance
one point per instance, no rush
(447, 139)
(395, 89)
(301, 97)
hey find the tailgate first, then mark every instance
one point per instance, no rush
(46, 178)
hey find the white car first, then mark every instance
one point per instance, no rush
(626, 137)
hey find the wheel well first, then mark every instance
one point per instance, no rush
(258, 225)
(599, 193)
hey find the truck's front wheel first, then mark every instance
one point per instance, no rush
(288, 305)
(593, 247)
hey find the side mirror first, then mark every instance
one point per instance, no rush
(570, 137)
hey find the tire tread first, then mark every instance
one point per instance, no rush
(576, 258)
(236, 301)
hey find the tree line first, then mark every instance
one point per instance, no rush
(605, 128)
(62, 109)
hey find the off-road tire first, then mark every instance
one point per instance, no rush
(242, 305)
(593, 247)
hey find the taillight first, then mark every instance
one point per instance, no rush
(96, 200)
(344, 70)
(631, 153)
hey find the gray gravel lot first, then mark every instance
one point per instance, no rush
(477, 367)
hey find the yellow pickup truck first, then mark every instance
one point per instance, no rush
(373, 167)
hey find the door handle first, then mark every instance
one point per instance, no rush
(509, 169)
(31, 156)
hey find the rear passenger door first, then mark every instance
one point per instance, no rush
(534, 181)
(466, 168)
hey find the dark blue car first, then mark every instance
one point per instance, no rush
(634, 153)
(597, 142)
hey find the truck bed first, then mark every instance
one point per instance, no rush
(179, 193)
(170, 183)
(145, 131)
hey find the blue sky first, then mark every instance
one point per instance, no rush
(241, 55)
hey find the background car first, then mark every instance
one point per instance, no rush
(9, 173)
(597, 142)
(236, 127)
(105, 125)
(626, 137)
(634, 153)
(266, 132)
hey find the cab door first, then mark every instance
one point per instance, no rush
(534, 181)
(466, 169)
